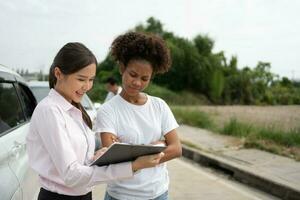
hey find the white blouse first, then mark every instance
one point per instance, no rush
(60, 147)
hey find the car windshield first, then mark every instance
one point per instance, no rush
(40, 92)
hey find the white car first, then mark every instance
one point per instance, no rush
(41, 89)
(17, 180)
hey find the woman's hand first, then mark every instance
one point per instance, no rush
(99, 153)
(146, 161)
(115, 139)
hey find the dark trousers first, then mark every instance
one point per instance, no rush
(47, 195)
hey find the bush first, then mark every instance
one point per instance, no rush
(236, 128)
(176, 98)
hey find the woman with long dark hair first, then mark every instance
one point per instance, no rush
(60, 142)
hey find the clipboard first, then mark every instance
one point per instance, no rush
(123, 152)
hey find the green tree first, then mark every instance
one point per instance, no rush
(204, 44)
(216, 86)
(107, 68)
(262, 78)
(196, 68)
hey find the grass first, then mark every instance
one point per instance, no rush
(234, 128)
(271, 139)
(274, 140)
(193, 118)
(292, 152)
(280, 117)
(289, 138)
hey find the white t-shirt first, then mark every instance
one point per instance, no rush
(138, 124)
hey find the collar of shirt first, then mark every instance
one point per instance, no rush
(65, 105)
(60, 100)
(74, 112)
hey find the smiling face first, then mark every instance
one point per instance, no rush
(136, 77)
(73, 86)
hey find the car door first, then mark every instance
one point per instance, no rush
(17, 104)
(28, 179)
(9, 185)
(9, 122)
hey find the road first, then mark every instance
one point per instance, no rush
(192, 181)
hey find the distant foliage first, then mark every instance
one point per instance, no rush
(176, 98)
(98, 93)
(196, 68)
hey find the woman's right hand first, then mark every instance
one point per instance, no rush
(99, 153)
(146, 161)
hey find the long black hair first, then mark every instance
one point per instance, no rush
(71, 58)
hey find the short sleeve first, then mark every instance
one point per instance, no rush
(168, 122)
(105, 121)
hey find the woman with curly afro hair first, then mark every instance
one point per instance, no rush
(136, 117)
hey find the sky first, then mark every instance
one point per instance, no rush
(32, 31)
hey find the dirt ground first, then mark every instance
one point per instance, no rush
(284, 117)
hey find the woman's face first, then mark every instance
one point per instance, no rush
(136, 76)
(73, 86)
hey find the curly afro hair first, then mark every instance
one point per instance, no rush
(142, 46)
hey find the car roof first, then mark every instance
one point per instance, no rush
(7, 74)
(38, 83)
(3, 68)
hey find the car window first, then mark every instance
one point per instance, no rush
(27, 100)
(11, 114)
(40, 92)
